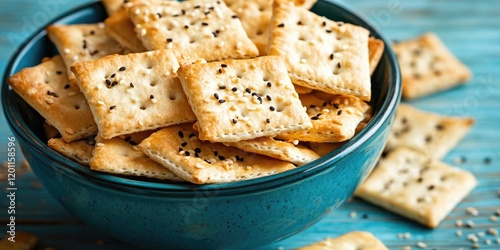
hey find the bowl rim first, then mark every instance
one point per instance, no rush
(15, 122)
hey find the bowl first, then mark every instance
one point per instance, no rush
(245, 214)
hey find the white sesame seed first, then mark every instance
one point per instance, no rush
(135, 148)
(475, 245)
(249, 167)
(99, 144)
(492, 231)
(353, 214)
(137, 11)
(487, 242)
(469, 223)
(143, 32)
(303, 60)
(100, 25)
(199, 166)
(140, 123)
(71, 93)
(169, 45)
(493, 218)
(154, 100)
(498, 241)
(407, 248)
(295, 142)
(400, 235)
(238, 44)
(101, 103)
(67, 51)
(480, 234)
(182, 152)
(75, 57)
(472, 211)
(497, 212)
(406, 235)
(421, 244)
(49, 101)
(459, 233)
(69, 130)
(459, 223)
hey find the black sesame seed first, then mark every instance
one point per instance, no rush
(204, 24)
(428, 139)
(328, 31)
(184, 144)
(222, 87)
(487, 160)
(66, 86)
(216, 96)
(206, 13)
(220, 71)
(114, 83)
(112, 107)
(131, 85)
(234, 16)
(222, 101)
(159, 15)
(216, 153)
(207, 161)
(214, 34)
(338, 65)
(234, 89)
(339, 112)
(52, 94)
(180, 149)
(58, 72)
(108, 82)
(323, 24)
(191, 135)
(176, 15)
(133, 143)
(336, 105)
(221, 157)
(364, 216)
(281, 25)
(183, 12)
(248, 90)
(113, 75)
(197, 150)
(268, 121)
(187, 153)
(272, 108)
(169, 40)
(235, 121)
(439, 127)
(181, 135)
(299, 23)
(314, 118)
(151, 97)
(268, 98)
(128, 138)
(331, 56)
(186, 27)
(196, 154)
(197, 7)
(223, 65)
(93, 53)
(269, 84)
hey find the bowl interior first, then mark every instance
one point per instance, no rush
(26, 122)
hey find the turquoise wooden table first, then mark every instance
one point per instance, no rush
(471, 29)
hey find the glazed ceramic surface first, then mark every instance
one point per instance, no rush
(151, 214)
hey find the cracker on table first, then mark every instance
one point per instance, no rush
(427, 66)
(412, 185)
(193, 29)
(357, 240)
(285, 151)
(238, 100)
(46, 88)
(112, 6)
(255, 17)
(179, 149)
(333, 120)
(431, 133)
(120, 27)
(320, 53)
(134, 92)
(82, 42)
(120, 155)
(79, 151)
(376, 49)
(23, 241)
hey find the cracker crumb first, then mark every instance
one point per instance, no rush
(353, 214)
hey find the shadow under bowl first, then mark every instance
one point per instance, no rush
(239, 215)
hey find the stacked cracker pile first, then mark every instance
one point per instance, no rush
(201, 92)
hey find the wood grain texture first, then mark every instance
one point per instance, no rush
(469, 29)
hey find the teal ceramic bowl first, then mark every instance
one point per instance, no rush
(241, 215)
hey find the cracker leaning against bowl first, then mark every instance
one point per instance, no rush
(246, 99)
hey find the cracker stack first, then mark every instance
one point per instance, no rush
(176, 91)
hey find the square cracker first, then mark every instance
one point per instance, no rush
(120, 27)
(179, 149)
(193, 29)
(255, 17)
(79, 151)
(412, 185)
(238, 100)
(427, 66)
(46, 88)
(431, 133)
(82, 42)
(120, 155)
(333, 120)
(376, 49)
(285, 151)
(134, 92)
(320, 53)
(357, 240)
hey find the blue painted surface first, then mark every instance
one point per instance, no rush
(470, 29)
